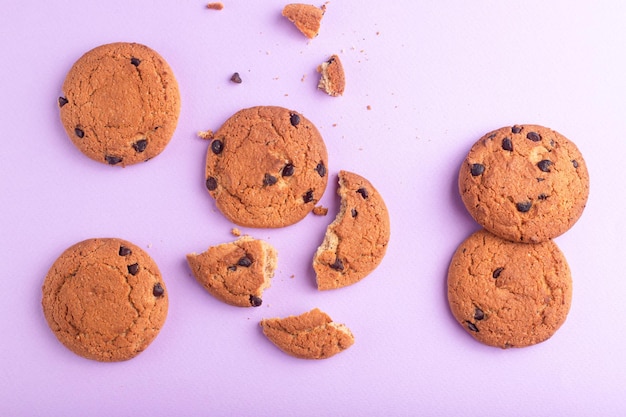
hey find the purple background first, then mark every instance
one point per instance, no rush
(437, 75)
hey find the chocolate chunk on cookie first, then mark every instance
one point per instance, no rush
(525, 183)
(236, 273)
(509, 294)
(120, 103)
(356, 241)
(312, 335)
(266, 167)
(105, 299)
(307, 18)
(332, 77)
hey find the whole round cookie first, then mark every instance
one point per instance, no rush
(266, 167)
(120, 103)
(509, 294)
(524, 183)
(105, 299)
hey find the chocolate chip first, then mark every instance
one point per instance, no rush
(575, 163)
(255, 301)
(544, 165)
(244, 261)
(524, 206)
(308, 196)
(288, 170)
(337, 265)
(497, 272)
(135, 61)
(540, 179)
(478, 314)
(269, 179)
(124, 251)
(158, 290)
(133, 269)
(321, 169)
(507, 145)
(542, 197)
(472, 326)
(140, 145)
(79, 132)
(516, 129)
(236, 78)
(363, 193)
(232, 268)
(211, 183)
(354, 212)
(217, 146)
(294, 119)
(534, 136)
(112, 160)
(477, 169)
(62, 101)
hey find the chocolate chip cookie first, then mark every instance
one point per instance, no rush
(120, 103)
(266, 167)
(105, 299)
(509, 294)
(524, 183)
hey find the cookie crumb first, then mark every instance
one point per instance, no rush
(236, 78)
(235, 232)
(332, 79)
(320, 211)
(205, 134)
(369, 107)
(215, 6)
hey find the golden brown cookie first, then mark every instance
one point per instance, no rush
(332, 77)
(509, 294)
(524, 183)
(120, 103)
(306, 17)
(237, 272)
(105, 299)
(312, 335)
(266, 167)
(356, 241)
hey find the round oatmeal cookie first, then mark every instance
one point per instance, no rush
(524, 183)
(266, 167)
(509, 294)
(120, 103)
(105, 299)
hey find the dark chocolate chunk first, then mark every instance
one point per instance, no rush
(112, 160)
(236, 78)
(244, 261)
(472, 326)
(232, 268)
(524, 206)
(354, 212)
(294, 119)
(217, 146)
(140, 145)
(211, 183)
(321, 169)
(62, 101)
(124, 251)
(497, 272)
(158, 290)
(133, 269)
(477, 169)
(542, 196)
(269, 179)
(540, 179)
(516, 129)
(308, 196)
(534, 136)
(337, 265)
(363, 193)
(507, 145)
(288, 170)
(255, 301)
(544, 165)
(575, 163)
(479, 314)
(135, 61)
(79, 132)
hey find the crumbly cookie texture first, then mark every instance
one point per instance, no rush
(266, 167)
(332, 77)
(105, 299)
(525, 183)
(120, 103)
(356, 241)
(307, 18)
(509, 294)
(312, 335)
(236, 273)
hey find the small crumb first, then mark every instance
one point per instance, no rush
(149, 245)
(236, 78)
(205, 134)
(235, 232)
(320, 211)
(369, 107)
(292, 276)
(303, 78)
(215, 6)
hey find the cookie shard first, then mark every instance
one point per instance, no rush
(332, 77)
(306, 17)
(237, 272)
(105, 299)
(356, 241)
(509, 294)
(311, 335)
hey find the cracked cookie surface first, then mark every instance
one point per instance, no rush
(311, 335)
(266, 167)
(105, 299)
(509, 294)
(356, 241)
(120, 103)
(236, 273)
(524, 183)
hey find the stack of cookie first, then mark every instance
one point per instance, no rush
(509, 284)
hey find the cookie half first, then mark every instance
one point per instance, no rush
(509, 294)
(266, 167)
(120, 103)
(356, 241)
(524, 183)
(105, 299)
(236, 273)
(312, 335)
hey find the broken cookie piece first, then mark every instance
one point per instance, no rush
(332, 78)
(306, 17)
(236, 273)
(312, 335)
(356, 241)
